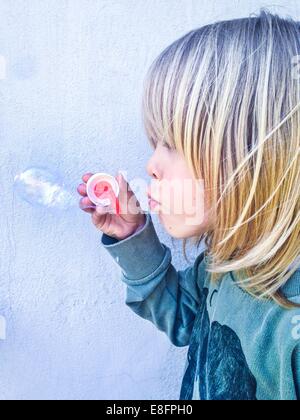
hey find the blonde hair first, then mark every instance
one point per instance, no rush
(227, 95)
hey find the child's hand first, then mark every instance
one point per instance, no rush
(104, 218)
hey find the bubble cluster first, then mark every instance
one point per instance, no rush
(39, 187)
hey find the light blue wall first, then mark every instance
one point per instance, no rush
(70, 99)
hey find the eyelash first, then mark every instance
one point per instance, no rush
(164, 144)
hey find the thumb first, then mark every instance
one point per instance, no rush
(129, 202)
(125, 193)
(125, 189)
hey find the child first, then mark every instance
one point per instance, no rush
(222, 105)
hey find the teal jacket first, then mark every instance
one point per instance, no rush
(240, 348)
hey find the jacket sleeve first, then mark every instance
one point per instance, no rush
(155, 291)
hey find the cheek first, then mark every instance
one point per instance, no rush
(195, 199)
(183, 196)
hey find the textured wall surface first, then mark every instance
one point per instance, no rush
(70, 89)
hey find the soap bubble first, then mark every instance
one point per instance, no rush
(39, 187)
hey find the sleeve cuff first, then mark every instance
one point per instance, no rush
(138, 255)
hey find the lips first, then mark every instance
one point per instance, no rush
(150, 198)
(152, 202)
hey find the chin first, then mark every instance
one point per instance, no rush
(186, 232)
(172, 231)
(175, 236)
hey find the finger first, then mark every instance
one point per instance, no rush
(124, 188)
(127, 198)
(101, 210)
(82, 189)
(98, 219)
(86, 205)
(99, 216)
(87, 176)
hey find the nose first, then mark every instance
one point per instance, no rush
(152, 169)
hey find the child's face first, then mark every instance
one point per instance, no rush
(182, 200)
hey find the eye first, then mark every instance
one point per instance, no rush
(165, 144)
(152, 143)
